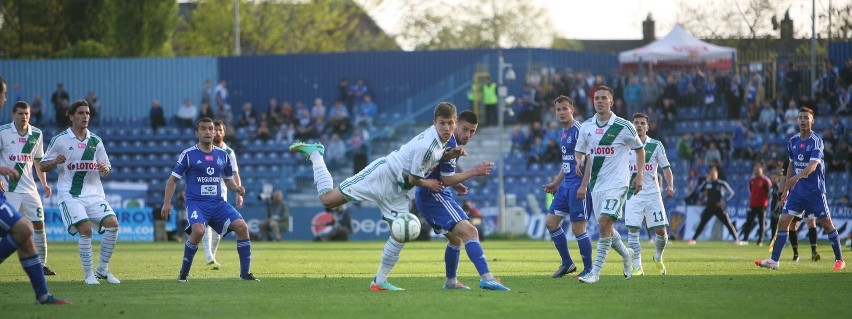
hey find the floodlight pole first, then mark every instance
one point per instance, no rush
(502, 92)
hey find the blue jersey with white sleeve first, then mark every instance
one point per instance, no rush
(440, 209)
(444, 168)
(568, 141)
(802, 152)
(203, 173)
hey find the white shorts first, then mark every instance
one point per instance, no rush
(649, 208)
(27, 204)
(377, 183)
(87, 208)
(609, 202)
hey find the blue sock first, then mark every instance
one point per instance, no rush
(585, 244)
(8, 245)
(244, 250)
(32, 266)
(780, 241)
(835, 245)
(189, 251)
(476, 255)
(451, 259)
(561, 244)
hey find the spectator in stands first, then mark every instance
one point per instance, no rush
(668, 114)
(700, 167)
(843, 100)
(343, 91)
(277, 217)
(366, 112)
(536, 131)
(273, 114)
(753, 142)
(36, 113)
(206, 111)
(778, 124)
(248, 117)
(335, 151)
(710, 93)
(489, 101)
(829, 155)
(650, 91)
(692, 182)
(359, 141)
(186, 114)
(755, 92)
(846, 75)
(792, 80)
(791, 116)
(553, 132)
(579, 95)
(263, 132)
(60, 98)
(358, 91)
(633, 95)
(304, 126)
(338, 118)
(698, 145)
(536, 153)
(285, 133)
(684, 147)
(528, 105)
(519, 140)
(207, 92)
(156, 117)
(321, 129)
(837, 127)
(288, 114)
(318, 110)
(766, 118)
(220, 93)
(734, 98)
(739, 141)
(776, 154)
(827, 86)
(552, 153)
(341, 226)
(724, 144)
(224, 114)
(712, 154)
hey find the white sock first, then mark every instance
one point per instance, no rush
(618, 245)
(660, 246)
(322, 178)
(84, 247)
(452, 282)
(205, 242)
(390, 255)
(634, 242)
(40, 239)
(214, 242)
(107, 247)
(603, 248)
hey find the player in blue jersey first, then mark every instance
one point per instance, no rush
(204, 166)
(565, 203)
(16, 235)
(804, 192)
(448, 218)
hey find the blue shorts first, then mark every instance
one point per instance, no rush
(565, 203)
(439, 210)
(8, 218)
(217, 215)
(807, 204)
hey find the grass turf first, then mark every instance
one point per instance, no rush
(326, 280)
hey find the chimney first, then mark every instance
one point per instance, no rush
(648, 29)
(786, 27)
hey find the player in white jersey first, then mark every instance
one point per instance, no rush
(20, 145)
(211, 239)
(81, 160)
(648, 205)
(387, 180)
(607, 139)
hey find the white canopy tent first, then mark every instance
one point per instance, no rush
(679, 49)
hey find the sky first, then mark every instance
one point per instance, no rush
(622, 19)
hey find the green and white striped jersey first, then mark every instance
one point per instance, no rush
(655, 157)
(79, 175)
(608, 145)
(19, 151)
(416, 157)
(232, 156)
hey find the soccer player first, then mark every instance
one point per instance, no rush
(804, 192)
(80, 192)
(210, 239)
(16, 235)
(717, 192)
(20, 145)
(794, 225)
(607, 139)
(648, 206)
(387, 180)
(204, 166)
(565, 203)
(448, 218)
(759, 187)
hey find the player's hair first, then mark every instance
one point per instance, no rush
(806, 110)
(562, 98)
(445, 109)
(219, 123)
(642, 115)
(202, 120)
(76, 105)
(2, 80)
(20, 105)
(605, 88)
(468, 117)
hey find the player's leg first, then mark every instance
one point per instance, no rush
(437, 215)
(784, 225)
(473, 248)
(240, 227)
(391, 206)
(322, 177)
(660, 243)
(18, 238)
(812, 238)
(104, 222)
(196, 230)
(553, 222)
(579, 218)
(634, 216)
(705, 217)
(722, 214)
(207, 245)
(820, 208)
(609, 203)
(761, 226)
(77, 221)
(749, 223)
(793, 236)
(452, 253)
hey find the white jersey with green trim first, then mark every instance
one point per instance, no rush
(655, 157)
(79, 175)
(232, 156)
(417, 157)
(19, 151)
(608, 146)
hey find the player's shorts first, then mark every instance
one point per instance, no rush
(439, 210)
(609, 202)
(649, 208)
(566, 204)
(27, 204)
(377, 183)
(218, 215)
(8, 217)
(807, 204)
(76, 210)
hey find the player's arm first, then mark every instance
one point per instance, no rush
(640, 164)
(42, 177)
(432, 184)
(792, 180)
(482, 169)
(171, 184)
(554, 182)
(728, 190)
(587, 175)
(580, 157)
(51, 158)
(236, 167)
(669, 177)
(231, 184)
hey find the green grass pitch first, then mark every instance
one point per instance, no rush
(330, 280)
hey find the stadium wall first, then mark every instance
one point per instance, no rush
(839, 52)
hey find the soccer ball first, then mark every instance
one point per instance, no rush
(405, 227)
